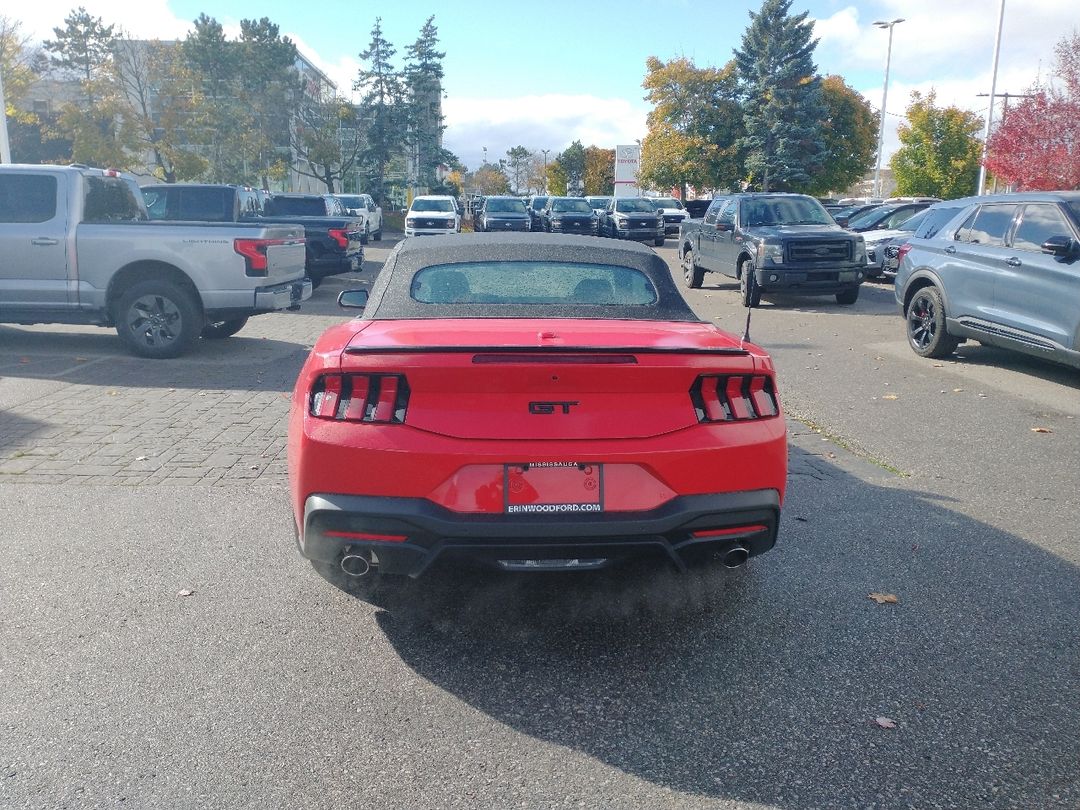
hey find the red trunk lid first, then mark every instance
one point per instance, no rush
(549, 379)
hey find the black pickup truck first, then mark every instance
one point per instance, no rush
(333, 239)
(773, 243)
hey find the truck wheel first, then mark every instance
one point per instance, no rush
(693, 275)
(658, 241)
(366, 235)
(158, 318)
(926, 330)
(218, 330)
(377, 236)
(748, 286)
(848, 296)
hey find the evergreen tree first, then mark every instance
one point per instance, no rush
(84, 46)
(782, 98)
(268, 94)
(423, 78)
(217, 118)
(380, 109)
(572, 161)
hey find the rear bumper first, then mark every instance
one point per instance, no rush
(335, 264)
(333, 524)
(283, 296)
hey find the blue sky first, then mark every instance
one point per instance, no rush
(543, 75)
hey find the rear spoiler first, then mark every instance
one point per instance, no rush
(728, 351)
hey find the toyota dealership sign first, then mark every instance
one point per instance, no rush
(627, 163)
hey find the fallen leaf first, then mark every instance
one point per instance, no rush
(939, 365)
(885, 598)
(885, 722)
(958, 390)
(185, 593)
(80, 359)
(142, 458)
(832, 455)
(1041, 430)
(890, 396)
(254, 467)
(111, 393)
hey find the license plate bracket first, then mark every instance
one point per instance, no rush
(553, 488)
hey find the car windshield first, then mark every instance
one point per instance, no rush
(444, 206)
(759, 211)
(532, 283)
(598, 202)
(667, 202)
(912, 223)
(539, 202)
(571, 207)
(869, 218)
(637, 205)
(505, 206)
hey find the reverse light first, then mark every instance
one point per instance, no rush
(734, 397)
(372, 398)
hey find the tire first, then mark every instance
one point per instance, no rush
(748, 287)
(693, 274)
(848, 297)
(158, 318)
(659, 241)
(217, 330)
(377, 236)
(366, 235)
(316, 281)
(926, 330)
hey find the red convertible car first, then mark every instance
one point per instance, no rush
(538, 402)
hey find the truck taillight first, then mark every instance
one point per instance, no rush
(254, 253)
(734, 397)
(341, 236)
(372, 398)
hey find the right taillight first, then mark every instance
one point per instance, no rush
(902, 251)
(734, 397)
(373, 398)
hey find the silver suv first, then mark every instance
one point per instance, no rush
(1002, 269)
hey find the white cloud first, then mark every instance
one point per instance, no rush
(538, 122)
(154, 19)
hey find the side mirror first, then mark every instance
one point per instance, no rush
(723, 226)
(1061, 246)
(404, 210)
(353, 299)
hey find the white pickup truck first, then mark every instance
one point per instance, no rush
(76, 247)
(364, 208)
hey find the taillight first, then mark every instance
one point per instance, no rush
(376, 398)
(902, 251)
(734, 397)
(254, 253)
(341, 236)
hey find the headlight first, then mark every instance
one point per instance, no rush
(621, 219)
(860, 249)
(770, 251)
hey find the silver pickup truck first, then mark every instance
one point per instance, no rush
(76, 247)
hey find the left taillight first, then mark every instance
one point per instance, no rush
(372, 398)
(341, 236)
(254, 253)
(734, 397)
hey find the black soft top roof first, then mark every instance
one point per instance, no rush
(390, 297)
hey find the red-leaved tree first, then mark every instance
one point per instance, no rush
(1037, 144)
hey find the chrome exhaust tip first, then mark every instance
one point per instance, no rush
(735, 556)
(355, 565)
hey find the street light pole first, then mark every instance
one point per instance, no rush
(990, 112)
(884, 100)
(545, 151)
(5, 146)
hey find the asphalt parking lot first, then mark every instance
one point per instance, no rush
(164, 645)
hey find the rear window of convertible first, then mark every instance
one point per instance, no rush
(518, 284)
